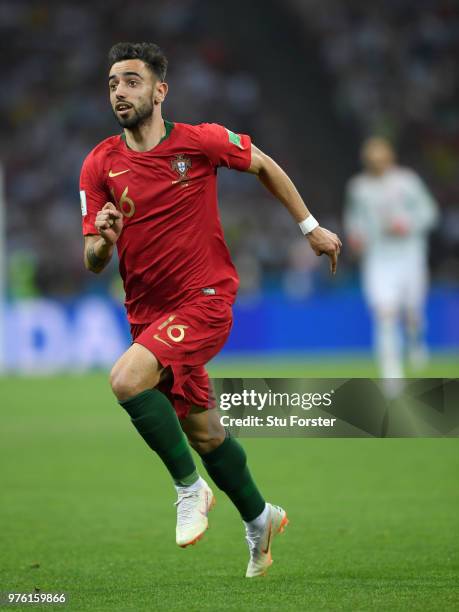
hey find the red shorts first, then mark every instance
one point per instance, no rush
(185, 340)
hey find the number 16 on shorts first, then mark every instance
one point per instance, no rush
(175, 333)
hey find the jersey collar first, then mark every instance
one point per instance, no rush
(169, 125)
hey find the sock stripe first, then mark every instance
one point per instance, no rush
(141, 423)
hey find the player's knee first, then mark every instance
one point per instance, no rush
(126, 384)
(204, 442)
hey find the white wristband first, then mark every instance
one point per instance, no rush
(308, 225)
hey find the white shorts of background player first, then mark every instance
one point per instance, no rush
(395, 284)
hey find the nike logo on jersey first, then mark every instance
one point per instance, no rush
(113, 174)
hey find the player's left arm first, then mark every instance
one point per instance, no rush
(426, 210)
(272, 176)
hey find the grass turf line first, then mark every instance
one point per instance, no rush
(88, 509)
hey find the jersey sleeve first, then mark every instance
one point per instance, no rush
(225, 148)
(354, 218)
(93, 195)
(425, 208)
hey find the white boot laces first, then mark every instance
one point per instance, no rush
(185, 505)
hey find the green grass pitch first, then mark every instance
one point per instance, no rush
(88, 510)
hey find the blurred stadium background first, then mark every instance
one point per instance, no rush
(308, 79)
(373, 522)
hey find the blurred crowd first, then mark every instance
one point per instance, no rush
(393, 71)
(389, 70)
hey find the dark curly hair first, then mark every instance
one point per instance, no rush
(149, 53)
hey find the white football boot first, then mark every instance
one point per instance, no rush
(260, 540)
(193, 504)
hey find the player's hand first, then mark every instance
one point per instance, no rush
(109, 223)
(323, 241)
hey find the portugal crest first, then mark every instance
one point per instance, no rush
(181, 165)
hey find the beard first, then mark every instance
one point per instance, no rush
(137, 116)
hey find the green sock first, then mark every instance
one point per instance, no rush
(227, 466)
(154, 418)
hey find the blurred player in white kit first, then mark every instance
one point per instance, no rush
(389, 213)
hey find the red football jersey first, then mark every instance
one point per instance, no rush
(171, 249)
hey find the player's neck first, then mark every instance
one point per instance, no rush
(380, 172)
(146, 136)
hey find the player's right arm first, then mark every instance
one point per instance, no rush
(102, 221)
(98, 249)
